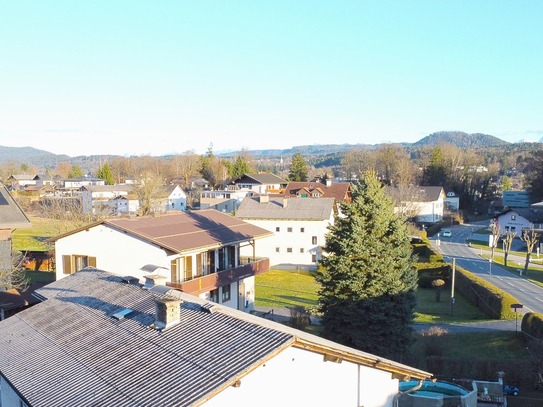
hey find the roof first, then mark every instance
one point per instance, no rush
(260, 178)
(80, 355)
(295, 209)
(184, 231)
(527, 213)
(11, 214)
(421, 194)
(80, 179)
(107, 188)
(18, 298)
(338, 190)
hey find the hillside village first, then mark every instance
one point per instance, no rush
(154, 296)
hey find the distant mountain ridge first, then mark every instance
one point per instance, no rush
(461, 139)
(43, 159)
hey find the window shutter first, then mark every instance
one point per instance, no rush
(67, 264)
(92, 262)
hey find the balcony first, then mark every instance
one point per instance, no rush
(213, 281)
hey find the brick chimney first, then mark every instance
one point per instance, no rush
(328, 182)
(167, 312)
(264, 198)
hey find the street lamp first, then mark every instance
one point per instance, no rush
(516, 308)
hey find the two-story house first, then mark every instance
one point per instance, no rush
(196, 252)
(299, 227)
(229, 199)
(96, 340)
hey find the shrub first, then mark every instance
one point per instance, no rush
(494, 302)
(532, 325)
(299, 318)
(432, 341)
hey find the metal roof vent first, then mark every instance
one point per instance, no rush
(123, 313)
(153, 280)
(211, 308)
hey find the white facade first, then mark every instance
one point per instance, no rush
(175, 201)
(75, 183)
(114, 251)
(511, 221)
(296, 243)
(96, 201)
(296, 375)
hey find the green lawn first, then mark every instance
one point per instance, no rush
(31, 239)
(475, 345)
(286, 289)
(535, 274)
(429, 311)
(44, 277)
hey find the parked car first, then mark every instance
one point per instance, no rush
(447, 233)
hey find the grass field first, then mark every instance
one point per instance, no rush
(285, 289)
(31, 239)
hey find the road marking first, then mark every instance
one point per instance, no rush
(538, 299)
(512, 285)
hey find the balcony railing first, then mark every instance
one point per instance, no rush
(213, 281)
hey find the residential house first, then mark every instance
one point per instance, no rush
(76, 183)
(340, 191)
(197, 252)
(515, 220)
(170, 198)
(299, 227)
(96, 340)
(451, 201)
(102, 198)
(44, 180)
(230, 198)
(20, 181)
(425, 204)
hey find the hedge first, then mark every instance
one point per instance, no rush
(532, 325)
(429, 272)
(494, 302)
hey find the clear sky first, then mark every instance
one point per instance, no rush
(157, 77)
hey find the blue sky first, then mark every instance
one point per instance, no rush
(156, 77)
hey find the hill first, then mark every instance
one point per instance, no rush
(460, 139)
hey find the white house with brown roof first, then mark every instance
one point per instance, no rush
(95, 340)
(425, 203)
(197, 252)
(299, 227)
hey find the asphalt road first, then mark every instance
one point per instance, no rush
(528, 294)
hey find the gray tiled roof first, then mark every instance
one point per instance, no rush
(69, 351)
(11, 214)
(264, 178)
(295, 209)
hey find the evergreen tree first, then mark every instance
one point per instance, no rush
(367, 275)
(76, 172)
(435, 174)
(105, 174)
(298, 169)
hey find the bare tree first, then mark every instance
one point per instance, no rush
(394, 164)
(65, 214)
(356, 162)
(147, 190)
(530, 237)
(187, 165)
(508, 237)
(408, 200)
(495, 233)
(12, 273)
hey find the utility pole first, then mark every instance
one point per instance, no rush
(452, 284)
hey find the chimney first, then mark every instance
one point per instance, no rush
(167, 312)
(328, 182)
(152, 280)
(285, 202)
(264, 198)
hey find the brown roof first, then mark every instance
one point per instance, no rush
(341, 191)
(18, 298)
(185, 231)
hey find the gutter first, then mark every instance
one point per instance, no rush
(396, 400)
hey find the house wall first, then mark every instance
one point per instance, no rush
(8, 396)
(431, 211)
(276, 247)
(114, 251)
(298, 377)
(511, 220)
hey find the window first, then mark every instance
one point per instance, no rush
(174, 267)
(289, 230)
(226, 293)
(513, 217)
(314, 258)
(513, 228)
(277, 229)
(289, 249)
(74, 263)
(214, 295)
(302, 230)
(314, 240)
(277, 250)
(301, 249)
(188, 268)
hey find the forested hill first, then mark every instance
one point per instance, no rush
(460, 139)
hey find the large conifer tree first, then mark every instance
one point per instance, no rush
(367, 276)
(298, 169)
